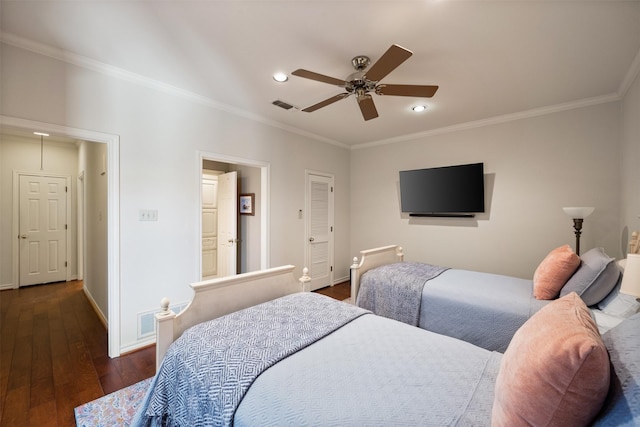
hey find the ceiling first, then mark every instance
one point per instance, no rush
(492, 60)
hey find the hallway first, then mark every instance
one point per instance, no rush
(53, 356)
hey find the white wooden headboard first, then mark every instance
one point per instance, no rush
(217, 297)
(372, 258)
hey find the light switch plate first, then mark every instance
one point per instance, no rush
(148, 215)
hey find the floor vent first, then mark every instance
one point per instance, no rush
(147, 320)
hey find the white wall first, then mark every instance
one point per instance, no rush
(95, 278)
(249, 225)
(160, 138)
(630, 164)
(533, 167)
(22, 154)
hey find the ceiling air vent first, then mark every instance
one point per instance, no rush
(282, 104)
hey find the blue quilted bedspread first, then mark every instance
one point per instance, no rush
(207, 371)
(402, 300)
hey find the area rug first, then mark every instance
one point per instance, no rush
(115, 409)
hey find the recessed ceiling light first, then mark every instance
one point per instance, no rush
(419, 108)
(280, 77)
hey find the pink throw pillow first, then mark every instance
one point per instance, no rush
(556, 370)
(554, 271)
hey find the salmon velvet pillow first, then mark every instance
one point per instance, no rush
(556, 370)
(554, 271)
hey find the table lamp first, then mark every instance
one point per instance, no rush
(631, 277)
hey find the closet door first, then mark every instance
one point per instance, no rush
(319, 226)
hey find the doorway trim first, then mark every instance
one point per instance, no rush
(80, 232)
(265, 173)
(113, 211)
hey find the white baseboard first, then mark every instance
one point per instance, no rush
(101, 315)
(342, 279)
(139, 345)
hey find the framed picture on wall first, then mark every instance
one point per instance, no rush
(246, 204)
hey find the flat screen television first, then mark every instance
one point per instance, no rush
(443, 191)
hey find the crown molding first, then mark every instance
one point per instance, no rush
(630, 77)
(495, 120)
(131, 77)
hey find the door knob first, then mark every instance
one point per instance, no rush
(311, 239)
(23, 236)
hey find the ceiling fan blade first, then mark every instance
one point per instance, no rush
(407, 90)
(392, 58)
(367, 107)
(326, 102)
(318, 77)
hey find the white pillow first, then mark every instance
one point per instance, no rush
(621, 305)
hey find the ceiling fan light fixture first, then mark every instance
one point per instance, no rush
(280, 77)
(419, 108)
(365, 82)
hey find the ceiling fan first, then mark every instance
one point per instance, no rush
(363, 82)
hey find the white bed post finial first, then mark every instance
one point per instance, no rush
(305, 280)
(355, 262)
(164, 306)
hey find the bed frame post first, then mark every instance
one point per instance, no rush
(305, 280)
(164, 332)
(355, 279)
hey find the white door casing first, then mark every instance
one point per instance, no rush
(319, 228)
(80, 227)
(42, 229)
(227, 224)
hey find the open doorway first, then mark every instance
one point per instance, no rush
(110, 162)
(250, 242)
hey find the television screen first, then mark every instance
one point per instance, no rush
(443, 190)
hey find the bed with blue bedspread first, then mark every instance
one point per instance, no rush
(305, 359)
(482, 308)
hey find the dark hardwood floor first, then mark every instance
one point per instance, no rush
(53, 354)
(341, 291)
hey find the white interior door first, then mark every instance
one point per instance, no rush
(319, 226)
(209, 226)
(227, 224)
(42, 228)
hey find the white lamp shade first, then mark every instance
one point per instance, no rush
(578, 212)
(631, 276)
